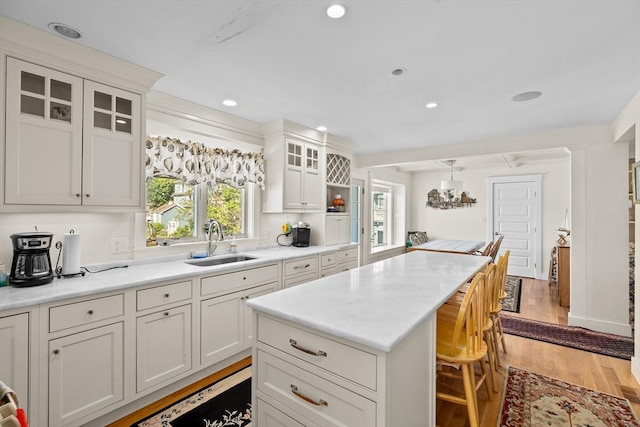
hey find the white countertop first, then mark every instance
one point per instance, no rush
(377, 305)
(142, 272)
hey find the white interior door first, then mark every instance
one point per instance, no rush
(515, 212)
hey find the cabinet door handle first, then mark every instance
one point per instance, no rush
(166, 314)
(55, 352)
(241, 298)
(295, 345)
(297, 267)
(319, 402)
(87, 195)
(90, 313)
(77, 194)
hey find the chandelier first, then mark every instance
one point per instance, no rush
(447, 197)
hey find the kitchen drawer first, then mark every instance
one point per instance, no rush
(327, 260)
(347, 254)
(328, 271)
(85, 312)
(166, 294)
(300, 266)
(239, 279)
(299, 280)
(351, 363)
(313, 397)
(268, 416)
(346, 266)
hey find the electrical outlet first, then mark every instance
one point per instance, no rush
(119, 244)
(266, 233)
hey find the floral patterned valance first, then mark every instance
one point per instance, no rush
(194, 163)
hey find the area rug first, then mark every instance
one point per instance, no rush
(532, 399)
(226, 402)
(513, 288)
(569, 336)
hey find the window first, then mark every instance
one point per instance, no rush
(176, 213)
(380, 227)
(387, 215)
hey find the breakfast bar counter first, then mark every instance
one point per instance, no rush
(357, 348)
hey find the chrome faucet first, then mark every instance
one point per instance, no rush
(219, 235)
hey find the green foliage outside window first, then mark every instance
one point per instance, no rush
(225, 204)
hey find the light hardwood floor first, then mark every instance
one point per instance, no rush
(539, 301)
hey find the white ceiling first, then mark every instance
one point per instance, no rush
(287, 59)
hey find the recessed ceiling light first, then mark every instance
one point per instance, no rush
(432, 105)
(229, 102)
(322, 128)
(399, 71)
(65, 30)
(526, 96)
(336, 11)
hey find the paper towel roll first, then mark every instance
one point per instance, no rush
(70, 253)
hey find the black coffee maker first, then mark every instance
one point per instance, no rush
(31, 265)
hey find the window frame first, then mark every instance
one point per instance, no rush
(200, 215)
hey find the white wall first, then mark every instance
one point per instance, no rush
(471, 223)
(600, 238)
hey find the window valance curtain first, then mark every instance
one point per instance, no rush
(194, 163)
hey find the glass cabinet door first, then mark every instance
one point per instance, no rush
(111, 112)
(45, 97)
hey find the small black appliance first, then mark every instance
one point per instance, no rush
(31, 265)
(300, 234)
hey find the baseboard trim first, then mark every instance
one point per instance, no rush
(621, 329)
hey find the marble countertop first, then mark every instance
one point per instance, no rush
(377, 305)
(143, 272)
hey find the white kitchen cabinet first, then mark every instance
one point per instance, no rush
(70, 141)
(111, 153)
(14, 355)
(295, 171)
(347, 259)
(320, 379)
(327, 264)
(226, 327)
(85, 373)
(268, 416)
(300, 270)
(302, 177)
(338, 229)
(163, 342)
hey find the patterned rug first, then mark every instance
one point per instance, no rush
(532, 399)
(224, 403)
(513, 288)
(569, 336)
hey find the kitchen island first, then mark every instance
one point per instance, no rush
(357, 348)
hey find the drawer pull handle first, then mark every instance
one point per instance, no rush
(301, 266)
(166, 314)
(90, 313)
(295, 345)
(320, 402)
(166, 295)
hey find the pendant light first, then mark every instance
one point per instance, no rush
(450, 184)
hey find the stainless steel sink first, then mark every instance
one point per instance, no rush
(208, 262)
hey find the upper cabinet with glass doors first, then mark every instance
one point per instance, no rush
(294, 170)
(69, 141)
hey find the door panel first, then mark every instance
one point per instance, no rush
(515, 211)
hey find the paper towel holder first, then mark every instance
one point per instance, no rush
(59, 267)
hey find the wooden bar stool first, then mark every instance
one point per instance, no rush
(500, 293)
(460, 342)
(449, 310)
